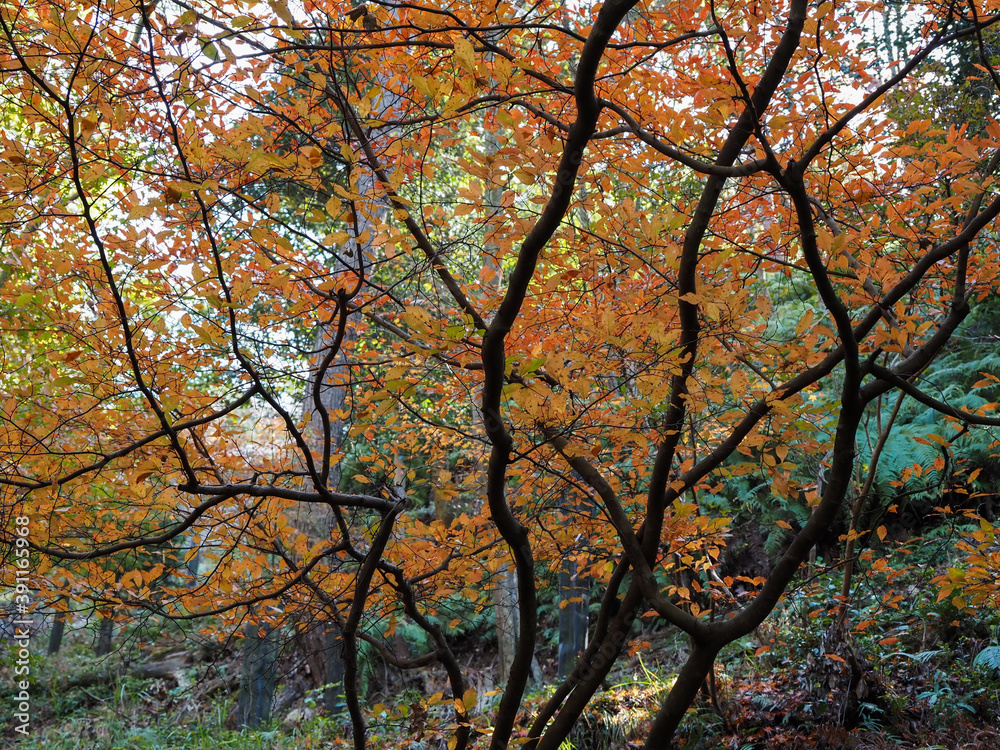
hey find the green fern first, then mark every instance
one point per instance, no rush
(989, 658)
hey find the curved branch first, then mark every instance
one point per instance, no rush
(699, 166)
(907, 387)
(494, 356)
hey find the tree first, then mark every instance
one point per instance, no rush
(581, 309)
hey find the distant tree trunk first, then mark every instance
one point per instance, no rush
(326, 439)
(333, 693)
(574, 598)
(332, 397)
(507, 619)
(194, 564)
(105, 633)
(505, 598)
(258, 676)
(56, 636)
(574, 610)
(444, 511)
(321, 524)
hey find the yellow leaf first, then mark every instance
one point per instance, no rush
(281, 8)
(804, 323)
(313, 155)
(739, 383)
(881, 532)
(87, 126)
(465, 55)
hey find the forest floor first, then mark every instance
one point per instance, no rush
(916, 675)
(930, 702)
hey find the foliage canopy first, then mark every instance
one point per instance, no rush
(547, 276)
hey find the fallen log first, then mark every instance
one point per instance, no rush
(166, 669)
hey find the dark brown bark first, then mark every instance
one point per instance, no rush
(105, 634)
(493, 357)
(56, 636)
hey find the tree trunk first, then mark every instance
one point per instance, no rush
(507, 619)
(574, 596)
(194, 564)
(325, 439)
(105, 634)
(326, 436)
(258, 676)
(333, 692)
(574, 609)
(56, 636)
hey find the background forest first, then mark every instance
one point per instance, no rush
(499, 374)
